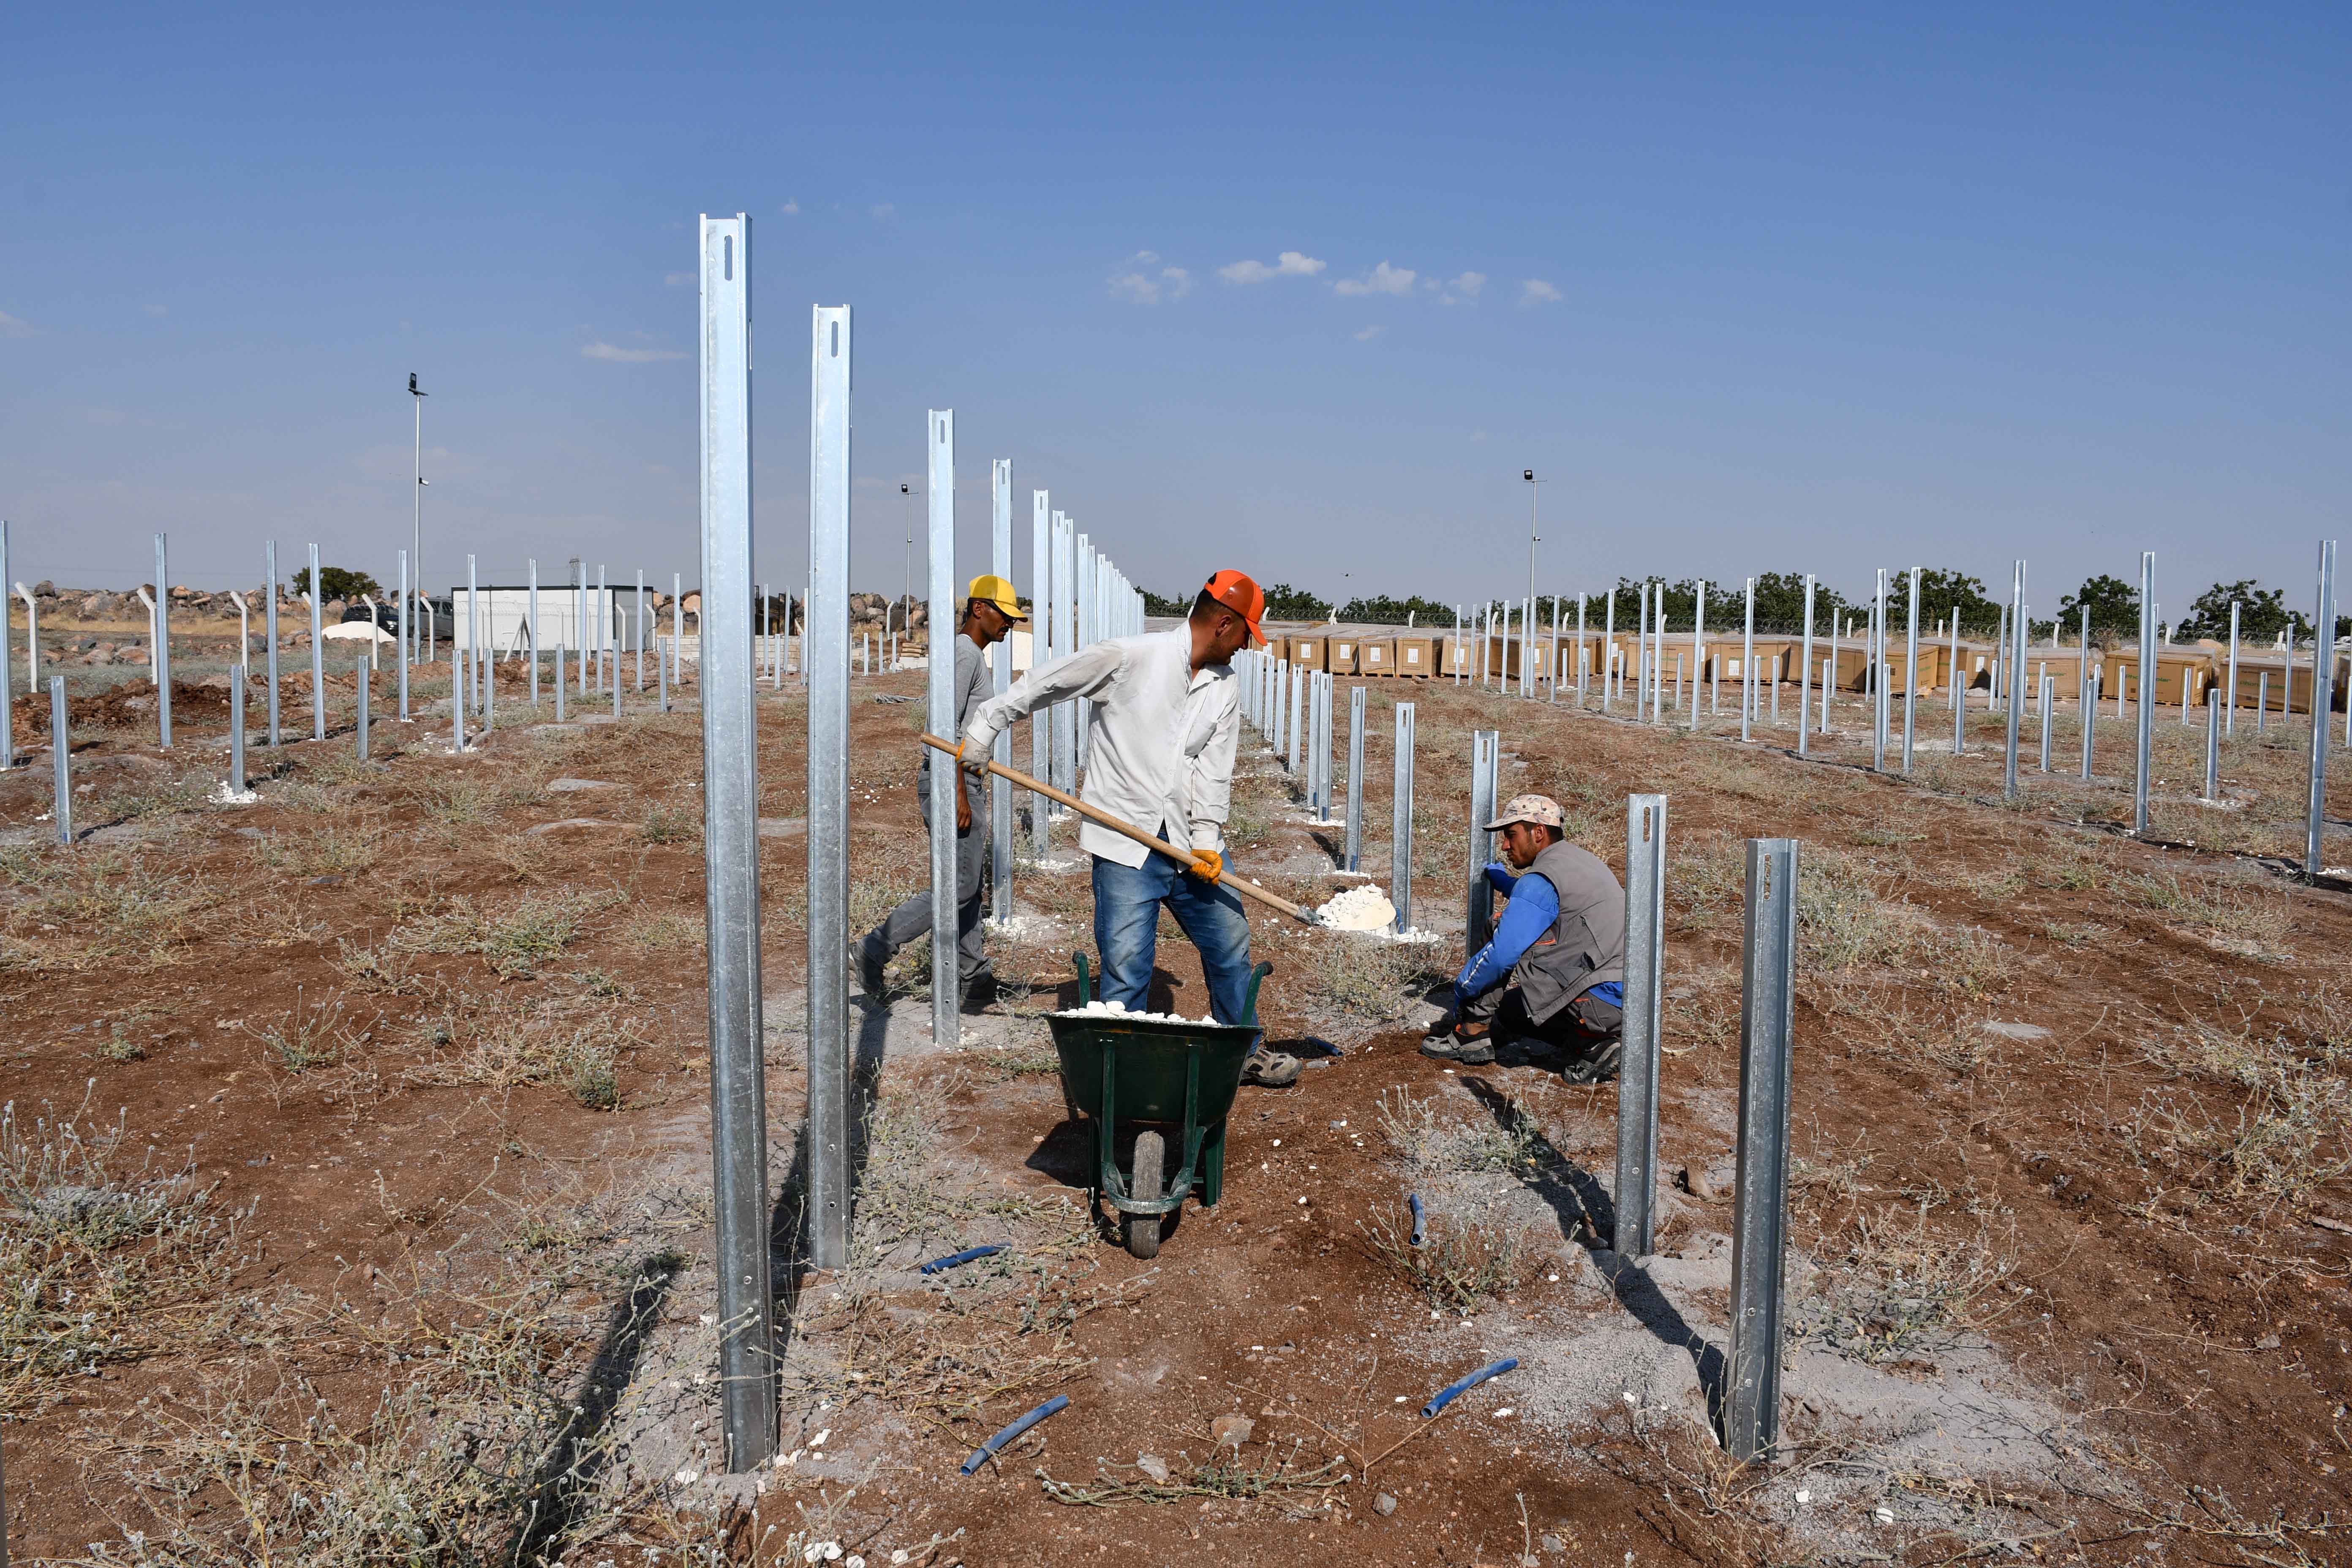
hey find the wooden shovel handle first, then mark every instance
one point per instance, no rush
(1094, 814)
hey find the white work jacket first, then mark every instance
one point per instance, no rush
(1162, 742)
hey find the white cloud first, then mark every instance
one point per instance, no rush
(1369, 333)
(678, 279)
(10, 327)
(1477, 434)
(884, 211)
(1382, 279)
(1536, 291)
(1468, 284)
(156, 310)
(1289, 264)
(1141, 281)
(627, 356)
(790, 210)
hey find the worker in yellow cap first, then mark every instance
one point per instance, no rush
(990, 613)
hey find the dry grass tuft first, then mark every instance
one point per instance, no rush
(100, 1264)
(1460, 1264)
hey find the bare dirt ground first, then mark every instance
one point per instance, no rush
(356, 1163)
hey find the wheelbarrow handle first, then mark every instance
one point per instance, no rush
(1095, 814)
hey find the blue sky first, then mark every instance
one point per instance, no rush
(1819, 290)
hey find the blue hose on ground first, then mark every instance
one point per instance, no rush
(1454, 1391)
(988, 1450)
(958, 1259)
(1413, 1200)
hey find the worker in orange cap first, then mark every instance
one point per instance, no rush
(1167, 717)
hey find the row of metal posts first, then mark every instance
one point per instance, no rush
(1278, 702)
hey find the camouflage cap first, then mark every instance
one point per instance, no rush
(1539, 809)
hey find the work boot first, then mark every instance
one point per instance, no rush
(1469, 1046)
(1598, 1064)
(1270, 1069)
(867, 966)
(980, 989)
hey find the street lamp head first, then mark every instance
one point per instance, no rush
(413, 389)
(1530, 475)
(906, 490)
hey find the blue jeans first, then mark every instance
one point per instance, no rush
(1127, 932)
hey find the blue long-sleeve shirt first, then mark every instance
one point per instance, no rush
(1534, 907)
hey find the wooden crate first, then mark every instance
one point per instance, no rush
(1376, 656)
(1308, 652)
(1417, 656)
(1454, 654)
(1339, 655)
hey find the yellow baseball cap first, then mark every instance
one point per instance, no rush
(996, 590)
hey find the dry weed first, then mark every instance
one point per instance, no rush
(1460, 1263)
(100, 1264)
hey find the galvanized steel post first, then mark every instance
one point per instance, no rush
(1748, 667)
(236, 730)
(318, 657)
(1751, 1409)
(1000, 793)
(1644, 989)
(1698, 644)
(61, 760)
(1609, 651)
(2231, 719)
(558, 673)
(1353, 860)
(2212, 746)
(1041, 726)
(360, 742)
(730, 848)
(825, 644)
(2013, 661)
(2323, 679)
(163, 644)
(947, 978)
(2090, 720)
(1878, 675)
(1298, 700)
(530, 610)
(1911, 673)
(1486, 775)
(1805, 676)
(2146, 692)
(399, 655)
(1401, 823)
(269, 628)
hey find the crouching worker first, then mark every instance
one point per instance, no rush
(1554, 970)
(990, 612)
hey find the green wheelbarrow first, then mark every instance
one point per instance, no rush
(1182, 1076)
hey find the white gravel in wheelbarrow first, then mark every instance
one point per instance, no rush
(1119, 1010)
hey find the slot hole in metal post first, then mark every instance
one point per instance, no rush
(729, 246)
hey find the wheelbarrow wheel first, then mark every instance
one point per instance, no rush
(1143, 1229)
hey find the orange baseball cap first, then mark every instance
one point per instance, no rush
(1241, 594)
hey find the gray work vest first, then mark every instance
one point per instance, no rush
(1586, 945)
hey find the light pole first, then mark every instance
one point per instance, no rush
(417, 520)
(1535, 487)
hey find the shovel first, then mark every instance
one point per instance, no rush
(1181, 857)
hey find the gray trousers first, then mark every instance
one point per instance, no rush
(913, 918)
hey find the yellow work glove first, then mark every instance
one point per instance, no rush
(1208, 864)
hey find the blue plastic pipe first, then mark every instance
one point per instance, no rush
(958, 1259)
(1053, 1406)
(1454, 1391)
(1412, 1201)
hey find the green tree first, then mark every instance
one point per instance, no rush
(2263, 613)
(1386, 610)
(1285, 603)
(2113, 605)
(1940, 593)
(339, 582)
(1154, 605)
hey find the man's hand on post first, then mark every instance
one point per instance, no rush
(1208, 864)
(963, 805)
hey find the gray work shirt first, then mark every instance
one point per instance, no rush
(972, 688)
